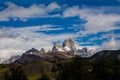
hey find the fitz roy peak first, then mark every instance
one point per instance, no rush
(67, 46)
(67, 50)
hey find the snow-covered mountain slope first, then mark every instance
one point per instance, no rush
(67, 50)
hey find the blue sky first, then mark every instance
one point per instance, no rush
(39, 23)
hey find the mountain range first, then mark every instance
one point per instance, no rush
(65, 51)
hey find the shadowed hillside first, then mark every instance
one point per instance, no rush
(100, 67)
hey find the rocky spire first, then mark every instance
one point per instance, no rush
(69, 44)
(57, 47)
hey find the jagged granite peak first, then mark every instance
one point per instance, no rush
(68, 49)
(69, 44)
(91, 52)
(84, 52)
(57, 47)
(84, 49)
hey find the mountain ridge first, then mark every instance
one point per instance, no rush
(115, 54)
(65, 51)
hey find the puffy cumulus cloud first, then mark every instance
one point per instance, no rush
(20, 12)
(53, 6)
(15, 41)
(94, 48)
(71, 12)
(97, 20)
(16, 46)
(112, 44)
(105, 36)
(101, 23)
(5, 55)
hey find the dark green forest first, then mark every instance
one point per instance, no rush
(71, 69)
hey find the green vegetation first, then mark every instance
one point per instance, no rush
(70, 69)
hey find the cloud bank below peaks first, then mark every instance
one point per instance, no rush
(15, 41)
(112, 44)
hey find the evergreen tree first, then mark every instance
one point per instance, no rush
(16, 73)
(77, 69)
(44, 77)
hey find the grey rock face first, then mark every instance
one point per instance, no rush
(69, 44)
(57, 48)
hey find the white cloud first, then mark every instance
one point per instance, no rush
(53, 6)
(22, 13)
(18, 40)
(101, 23)
(97, 21)
(15, 41)
(45, 27)
(112, 44)
(71, 12)
(12, 46)
(4, 53)
(105, 36)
